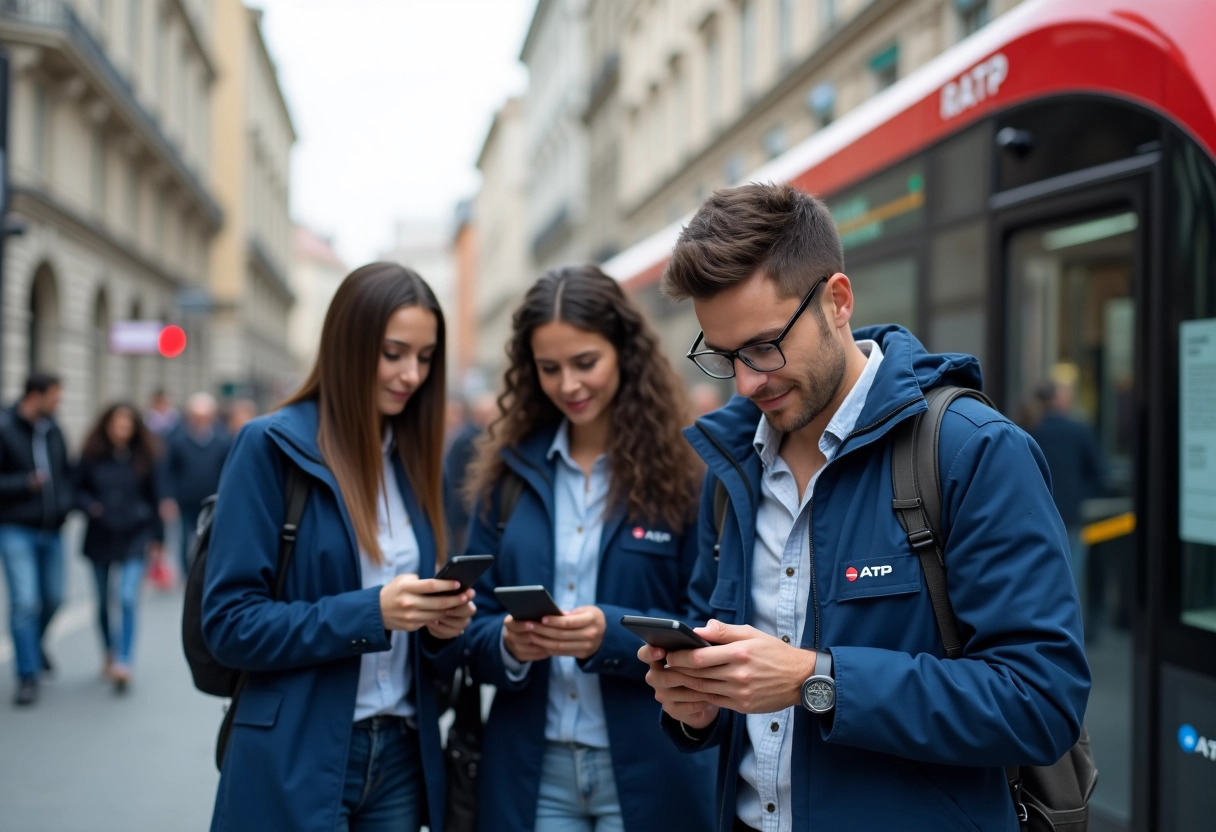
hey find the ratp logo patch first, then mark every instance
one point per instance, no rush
(655, 537)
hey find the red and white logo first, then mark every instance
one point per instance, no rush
(656, 537)
(868, 572)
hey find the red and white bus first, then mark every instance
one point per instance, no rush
(1043, 196)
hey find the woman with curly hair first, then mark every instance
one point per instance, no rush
(604, 517)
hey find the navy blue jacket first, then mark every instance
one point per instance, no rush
(1078, 472)
(192, 468)
(917, 741)
(658, 788)
(286, 760)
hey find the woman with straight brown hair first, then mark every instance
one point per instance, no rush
(605, 519)
(336, 727)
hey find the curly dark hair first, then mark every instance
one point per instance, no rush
(145, 446)
(655, 473)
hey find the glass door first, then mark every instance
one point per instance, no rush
(1072, 277)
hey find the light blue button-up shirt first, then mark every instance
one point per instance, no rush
(780, 593)
(576, 708)
(385, 677)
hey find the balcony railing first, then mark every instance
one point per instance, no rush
(60, 18)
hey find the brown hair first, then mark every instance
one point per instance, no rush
(145, 447)
(777, 229)
(343, 384)
(655, 474)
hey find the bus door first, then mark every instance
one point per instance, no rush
(1069, 317)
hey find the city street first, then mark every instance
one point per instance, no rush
(84, 759)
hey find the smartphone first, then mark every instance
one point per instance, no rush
(527, 603)
(464, 568)
(667, 633)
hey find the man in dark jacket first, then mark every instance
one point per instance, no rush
(827, 689)
(36, 494)
(197, 450)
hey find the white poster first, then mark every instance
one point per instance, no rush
(1197, 445)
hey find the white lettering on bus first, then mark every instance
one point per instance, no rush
(974, 86)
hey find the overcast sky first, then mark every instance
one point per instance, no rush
(391, 100)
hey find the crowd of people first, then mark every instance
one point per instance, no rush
(139, 474)
(824, 696)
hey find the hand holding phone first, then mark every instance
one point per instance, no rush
(666, 633)
(527, 603)
(464, 568)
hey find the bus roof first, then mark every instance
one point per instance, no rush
(1158, 55)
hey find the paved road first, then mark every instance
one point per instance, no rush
(86, 760)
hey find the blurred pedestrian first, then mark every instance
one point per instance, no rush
(605, 521)
(161, 417)
(479, 412)
(337, 726)
(117, 490)
(195, 457)
(1078, 473)
(705, 398)
(36, 495)
(240, 412)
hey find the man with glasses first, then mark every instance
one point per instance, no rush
(827, 690)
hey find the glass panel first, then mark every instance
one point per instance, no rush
(958, 281)
(888, 204)
(1194, 180)
(960, 183)
(884, 292)
(1070, 382)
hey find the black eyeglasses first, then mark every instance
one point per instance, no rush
(763, 356)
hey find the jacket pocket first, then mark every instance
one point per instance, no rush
(879, 577)
(258, 708)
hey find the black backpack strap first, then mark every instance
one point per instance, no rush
(512, 488)
(721, 504)
(916, 482)
(298, 486)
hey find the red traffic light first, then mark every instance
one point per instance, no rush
(171, 341)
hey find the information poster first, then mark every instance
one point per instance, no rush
(1197, 413)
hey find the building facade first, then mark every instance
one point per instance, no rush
(504, 265)
(251, 144)
(712, 89)
(315, 273)
(110, 165)
(555, 52)
(462, 314)
(604, 231)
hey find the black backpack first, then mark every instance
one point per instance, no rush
(462, 754)
(209, 675)
(1051, 798)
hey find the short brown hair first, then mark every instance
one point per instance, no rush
(736, 232)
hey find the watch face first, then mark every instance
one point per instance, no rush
(819, 695)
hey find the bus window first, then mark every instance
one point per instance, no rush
(1194, 187)
(959, 179)
(884, 292)
(958, 280)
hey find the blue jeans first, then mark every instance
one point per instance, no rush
(33, 568)
(130, 574)
(577, 791)
(384, 789)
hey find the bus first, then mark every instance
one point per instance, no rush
(1043, 196)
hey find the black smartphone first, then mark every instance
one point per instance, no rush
(464, 568)
(667, 633)
(527, 603)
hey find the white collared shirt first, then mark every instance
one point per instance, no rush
(780, 595)
(385, 678)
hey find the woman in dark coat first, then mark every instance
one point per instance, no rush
(117, 489)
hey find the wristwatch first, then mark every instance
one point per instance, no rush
(819, 691)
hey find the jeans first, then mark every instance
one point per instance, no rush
(33, 568)
(577, 791)
(384, 789)
(130, 574)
